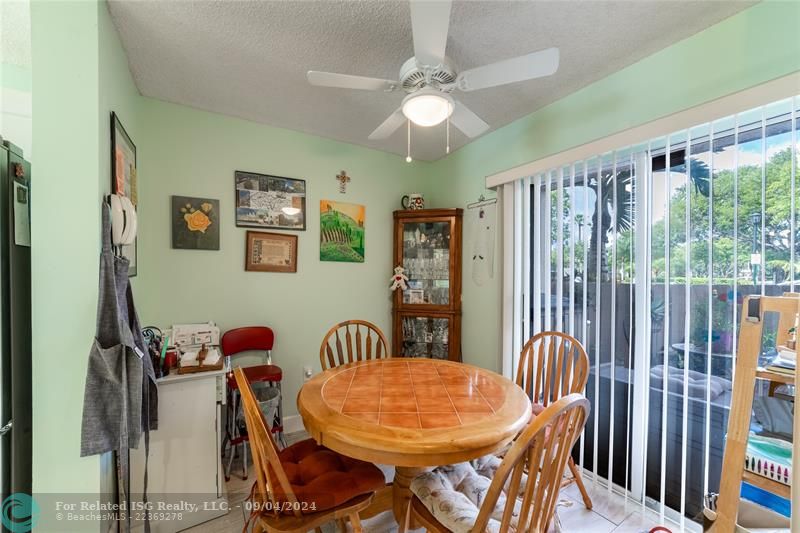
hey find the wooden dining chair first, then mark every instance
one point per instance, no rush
(305, 485)
(552, 365)
(350, 332)
(454, 499)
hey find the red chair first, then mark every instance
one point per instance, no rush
(235, 341)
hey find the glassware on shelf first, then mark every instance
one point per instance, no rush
(426, 258)
(425, 337)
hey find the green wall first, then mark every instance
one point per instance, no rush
(65, 232)
(752, 47)
(71, 174)
(194, 153)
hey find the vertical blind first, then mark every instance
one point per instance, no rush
(645, 254)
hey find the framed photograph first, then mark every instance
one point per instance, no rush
(264, 201)
(123, 177)
(195, 223)
(415, 296)
(270, 252)
(341, 231)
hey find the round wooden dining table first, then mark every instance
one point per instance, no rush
(413, 414)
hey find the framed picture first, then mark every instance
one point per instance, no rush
(264, 201)
(195, 223)
(341, 231)
(123, 177)
(415, 296)
(270, 252)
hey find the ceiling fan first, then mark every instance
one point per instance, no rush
(429, 77)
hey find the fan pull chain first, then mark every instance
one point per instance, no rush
(408, 143)
(447, 148)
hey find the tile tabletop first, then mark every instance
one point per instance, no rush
(416, 394)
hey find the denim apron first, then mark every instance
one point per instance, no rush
(120, 396)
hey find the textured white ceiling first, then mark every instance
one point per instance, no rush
(249, 58)
(15, 33)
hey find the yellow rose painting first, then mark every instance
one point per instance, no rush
(195, 223)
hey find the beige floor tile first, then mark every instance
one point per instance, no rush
(609, 505)
(577, 518)
(639, 521)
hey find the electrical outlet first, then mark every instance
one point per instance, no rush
(307, 372)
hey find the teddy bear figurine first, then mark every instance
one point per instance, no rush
(399, 278)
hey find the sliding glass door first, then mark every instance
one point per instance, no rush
(645, 255)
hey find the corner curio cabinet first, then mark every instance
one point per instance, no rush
(426, 319)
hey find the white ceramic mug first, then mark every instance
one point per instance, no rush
(413, 201)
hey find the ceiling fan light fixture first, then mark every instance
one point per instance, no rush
(428, 107)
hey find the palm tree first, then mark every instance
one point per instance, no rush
(612, 199)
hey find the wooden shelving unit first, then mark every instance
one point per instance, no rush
(784, 491)
(774, 377)
(427, 316)
(747, 372)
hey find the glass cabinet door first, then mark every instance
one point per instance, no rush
(426, 259)
(425, 337)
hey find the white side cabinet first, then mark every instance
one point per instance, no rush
(185, 479)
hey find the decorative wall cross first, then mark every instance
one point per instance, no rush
(343, 178)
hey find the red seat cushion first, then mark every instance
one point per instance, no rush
(258, 373)
(323, 479)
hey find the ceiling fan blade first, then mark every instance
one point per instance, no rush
(468, 122)
(527, 67)
(346, 81)
(389, 126)
(430, 21)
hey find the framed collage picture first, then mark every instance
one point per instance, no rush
(264, 201)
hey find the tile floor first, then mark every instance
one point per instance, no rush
(611, 512)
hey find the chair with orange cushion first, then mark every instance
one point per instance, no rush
(305, 485)
(235, 341)
(457, 498)
(344, 336)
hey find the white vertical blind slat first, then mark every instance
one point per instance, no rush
(710, 302)
(687, 298)
(517, 317)
(762, 268)
(526, 264)
(537, 256)
(631, 331)
(665, 377)
(560, 251)
(547, 255)
(793, 223)
(613, 325)
(585, 284)
(572, 237)
(642, 364)
(598, 280)
(509, 252)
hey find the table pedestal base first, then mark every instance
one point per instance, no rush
(401, 493)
